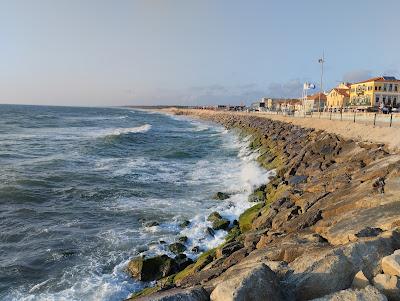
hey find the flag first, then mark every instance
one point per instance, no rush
(308, 86)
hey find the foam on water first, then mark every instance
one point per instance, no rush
(119, 131)
(103, 194)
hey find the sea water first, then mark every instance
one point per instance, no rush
(79, 185)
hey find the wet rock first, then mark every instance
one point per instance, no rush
(258, 283)
(196, 249)
(256, 196)
(389, 285)
(184, 224)
(150, 224)
(391, 264)
(221, 196)
(141, 249)
(369, 293)
(177, 248)
(233, 234)
(183, 239)
(182, 261)
(218, 222)
(210, 231)
(150, 269)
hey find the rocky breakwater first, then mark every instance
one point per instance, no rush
(327, 227)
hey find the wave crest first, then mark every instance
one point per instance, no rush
(139, 129)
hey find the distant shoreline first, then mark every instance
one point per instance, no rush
(348, 130)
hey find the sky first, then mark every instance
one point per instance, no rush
(189, 52)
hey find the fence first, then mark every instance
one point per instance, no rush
(375, 119)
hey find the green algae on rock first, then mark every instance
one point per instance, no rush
(218, 222)
(154, 268)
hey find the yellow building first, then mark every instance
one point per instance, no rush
(377, 92)
(338, 97)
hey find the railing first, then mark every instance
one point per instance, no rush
(375, 119)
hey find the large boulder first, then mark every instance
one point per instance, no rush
(258, 283)
(391, 264)
(218, 222)
(367, 294)
(319, 273)
(316, 275)
(150, 269)
(389, 285)
(221, 196)
(177, 247)
(190, 294)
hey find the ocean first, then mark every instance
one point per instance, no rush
(83, 190)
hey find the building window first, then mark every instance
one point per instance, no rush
(380, 88)
(395, 88)
(377, 99)
(376, 88)
(384, 87)
(390, 87)
(384, 100)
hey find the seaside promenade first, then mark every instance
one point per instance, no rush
(359, 131)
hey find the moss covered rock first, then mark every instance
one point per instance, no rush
(221, 196)
(200, 263)
(184, 224)
(218, 222)
(246, 218)
(177, 248)
(183, 239)
(233, 234)
(150, 269)
(257, 196)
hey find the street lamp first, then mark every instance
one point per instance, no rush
(321, 61)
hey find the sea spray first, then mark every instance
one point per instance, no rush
(75, 200)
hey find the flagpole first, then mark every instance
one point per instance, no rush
(322, 74)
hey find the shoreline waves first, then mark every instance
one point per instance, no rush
(330, 214)
(84, 190)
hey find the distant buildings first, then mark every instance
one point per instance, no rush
(312, 102)
(378, 92)
(276, 104)
(338, 97)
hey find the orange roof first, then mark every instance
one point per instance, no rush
(344, 92)
(380, 79)
(316, 96)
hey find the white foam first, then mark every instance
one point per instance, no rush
(237, 176)
(139, 129)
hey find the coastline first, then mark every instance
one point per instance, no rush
(346, 129)
(322, 205)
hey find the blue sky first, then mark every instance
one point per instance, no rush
(94, 52)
